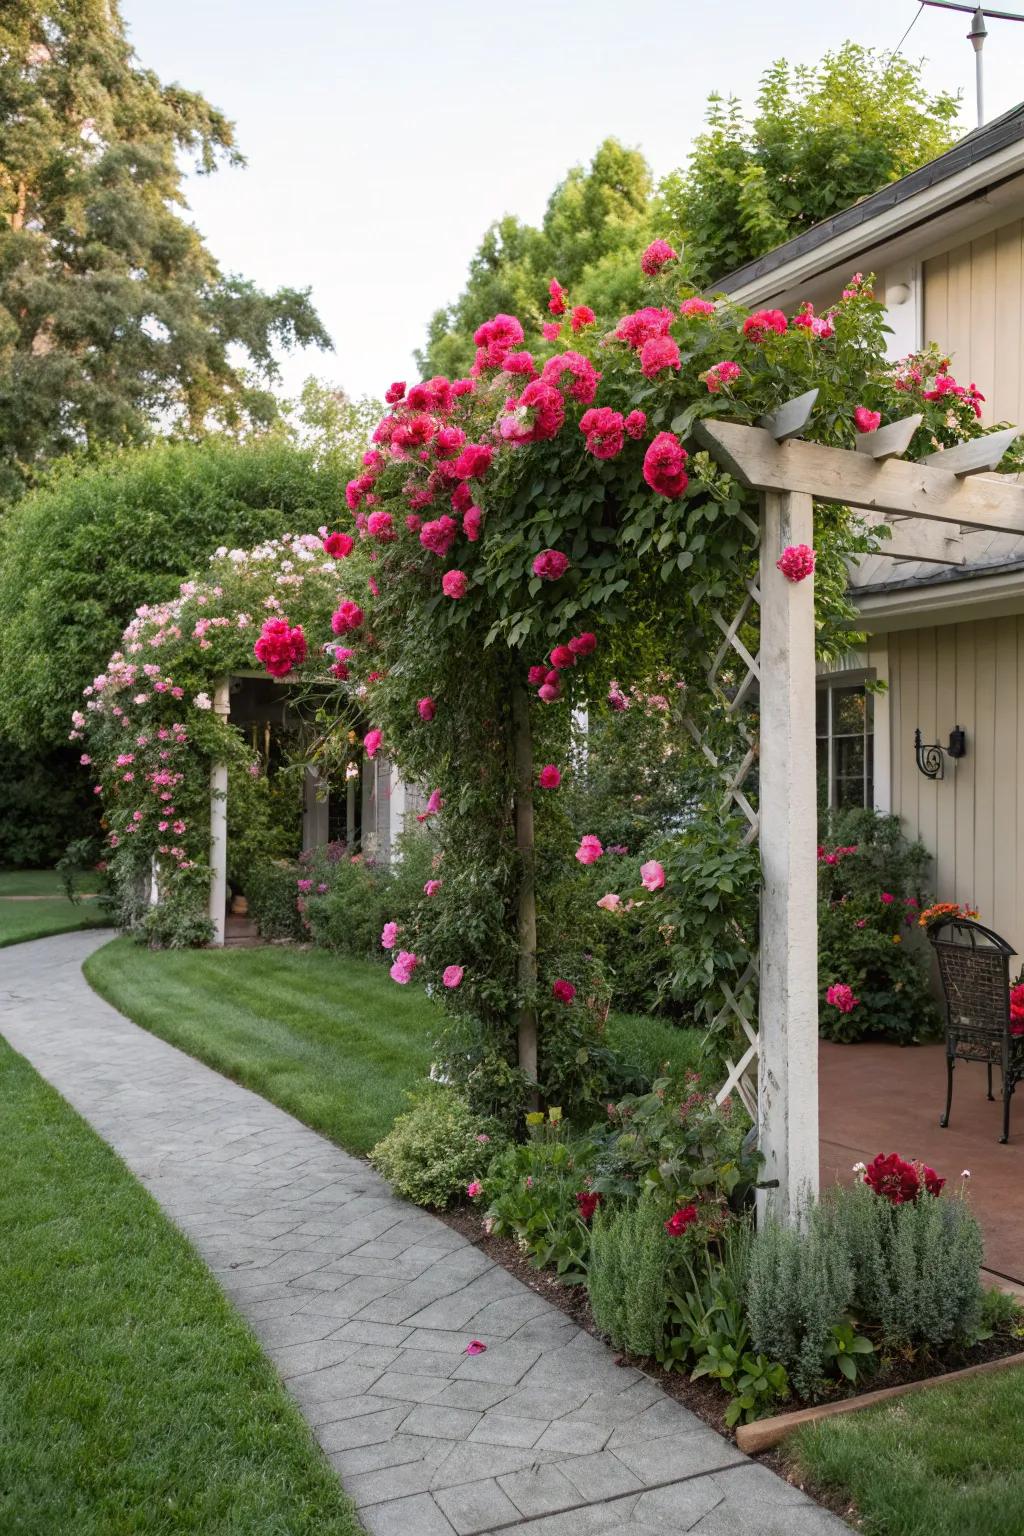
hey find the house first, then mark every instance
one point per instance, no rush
(946, 245)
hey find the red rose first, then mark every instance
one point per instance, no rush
(893, 1179)
(587, 1201)
(664, 466)
(680, 1220)
(563, 991)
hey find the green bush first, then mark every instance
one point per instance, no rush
(533, 1191)
(871, 889)
(46, 802)
(349, 915)
(436, 1149)
(271, 891)
(627, 1276)
(677, 1140)
(80, 554)
(906, 1275)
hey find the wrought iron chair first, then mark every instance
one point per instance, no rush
(974, 967)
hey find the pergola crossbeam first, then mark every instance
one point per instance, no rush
(979, 456)
(837, 474)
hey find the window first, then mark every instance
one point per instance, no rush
(845, 744)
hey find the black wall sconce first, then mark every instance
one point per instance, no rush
(931, 757)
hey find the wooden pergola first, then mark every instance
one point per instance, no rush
(926, 504)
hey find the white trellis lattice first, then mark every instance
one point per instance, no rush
(732, 687)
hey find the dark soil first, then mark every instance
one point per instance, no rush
(705, 1398)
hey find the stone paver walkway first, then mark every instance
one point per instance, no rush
(365, 1304)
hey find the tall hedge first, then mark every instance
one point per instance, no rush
(80, 554)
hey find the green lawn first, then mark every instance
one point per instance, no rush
(331, 1040)
(940, 1463)
(653, 1043)
(48, 912)
(135, 1401)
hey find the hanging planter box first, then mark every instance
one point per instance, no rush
(763, 1434)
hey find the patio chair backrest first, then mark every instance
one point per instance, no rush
(974, 967)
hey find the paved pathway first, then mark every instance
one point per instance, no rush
(365, 1304)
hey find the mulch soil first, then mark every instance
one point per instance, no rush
(705, 1397)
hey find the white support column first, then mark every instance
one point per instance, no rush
(788, 1010)
(219, 826)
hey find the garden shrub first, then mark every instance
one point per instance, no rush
(627, 1275)
(436, 1149)
(270, 889)
(345, 901)
(678, 1140)
(540, 1192)
(872, 956)
(900, 1267)
(44, 805)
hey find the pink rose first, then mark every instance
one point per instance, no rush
(611, 902)
(652, 875)
(452, 976)
(426, 709)
(589, 850)
(865, 420)
(550, 565)
(405, 964)
(432, 887)
(388, 935)
(454, 583)
(474, 1189)
(549, 777)
(796, 562)
(563, 991)
(371, 742)
(657, 254)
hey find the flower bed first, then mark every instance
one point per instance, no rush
(643, 1222)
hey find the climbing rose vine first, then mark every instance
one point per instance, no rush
(542, 537)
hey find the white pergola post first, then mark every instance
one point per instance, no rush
(788, 1070)
(928, 504)
(219, 827)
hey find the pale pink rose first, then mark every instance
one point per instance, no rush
(652, 875)
(389, 933)
(611, 902)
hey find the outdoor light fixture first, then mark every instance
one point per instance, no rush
(931, 757)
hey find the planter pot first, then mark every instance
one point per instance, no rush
(763, 1434)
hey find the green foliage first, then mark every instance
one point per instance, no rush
(868, 934)
(347, 898)
(80, 554)
(532, 1190)
(627, 1275)
(113, 313)
(823, 136)
(434, 1150)
(45, 803)
(905, 1274)
(677, 1140)
(271, 893)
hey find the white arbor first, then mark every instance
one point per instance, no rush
(926, 504)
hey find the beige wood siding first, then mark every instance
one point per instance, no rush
(974, 309)
(972, 821)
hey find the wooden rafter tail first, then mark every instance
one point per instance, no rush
(889, 442)
(791, 418)
(914, 539)
(981, 454)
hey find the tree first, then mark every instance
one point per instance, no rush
(593, 219)
(113, 313)
(823, 136)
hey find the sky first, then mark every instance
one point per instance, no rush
(383, 138)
